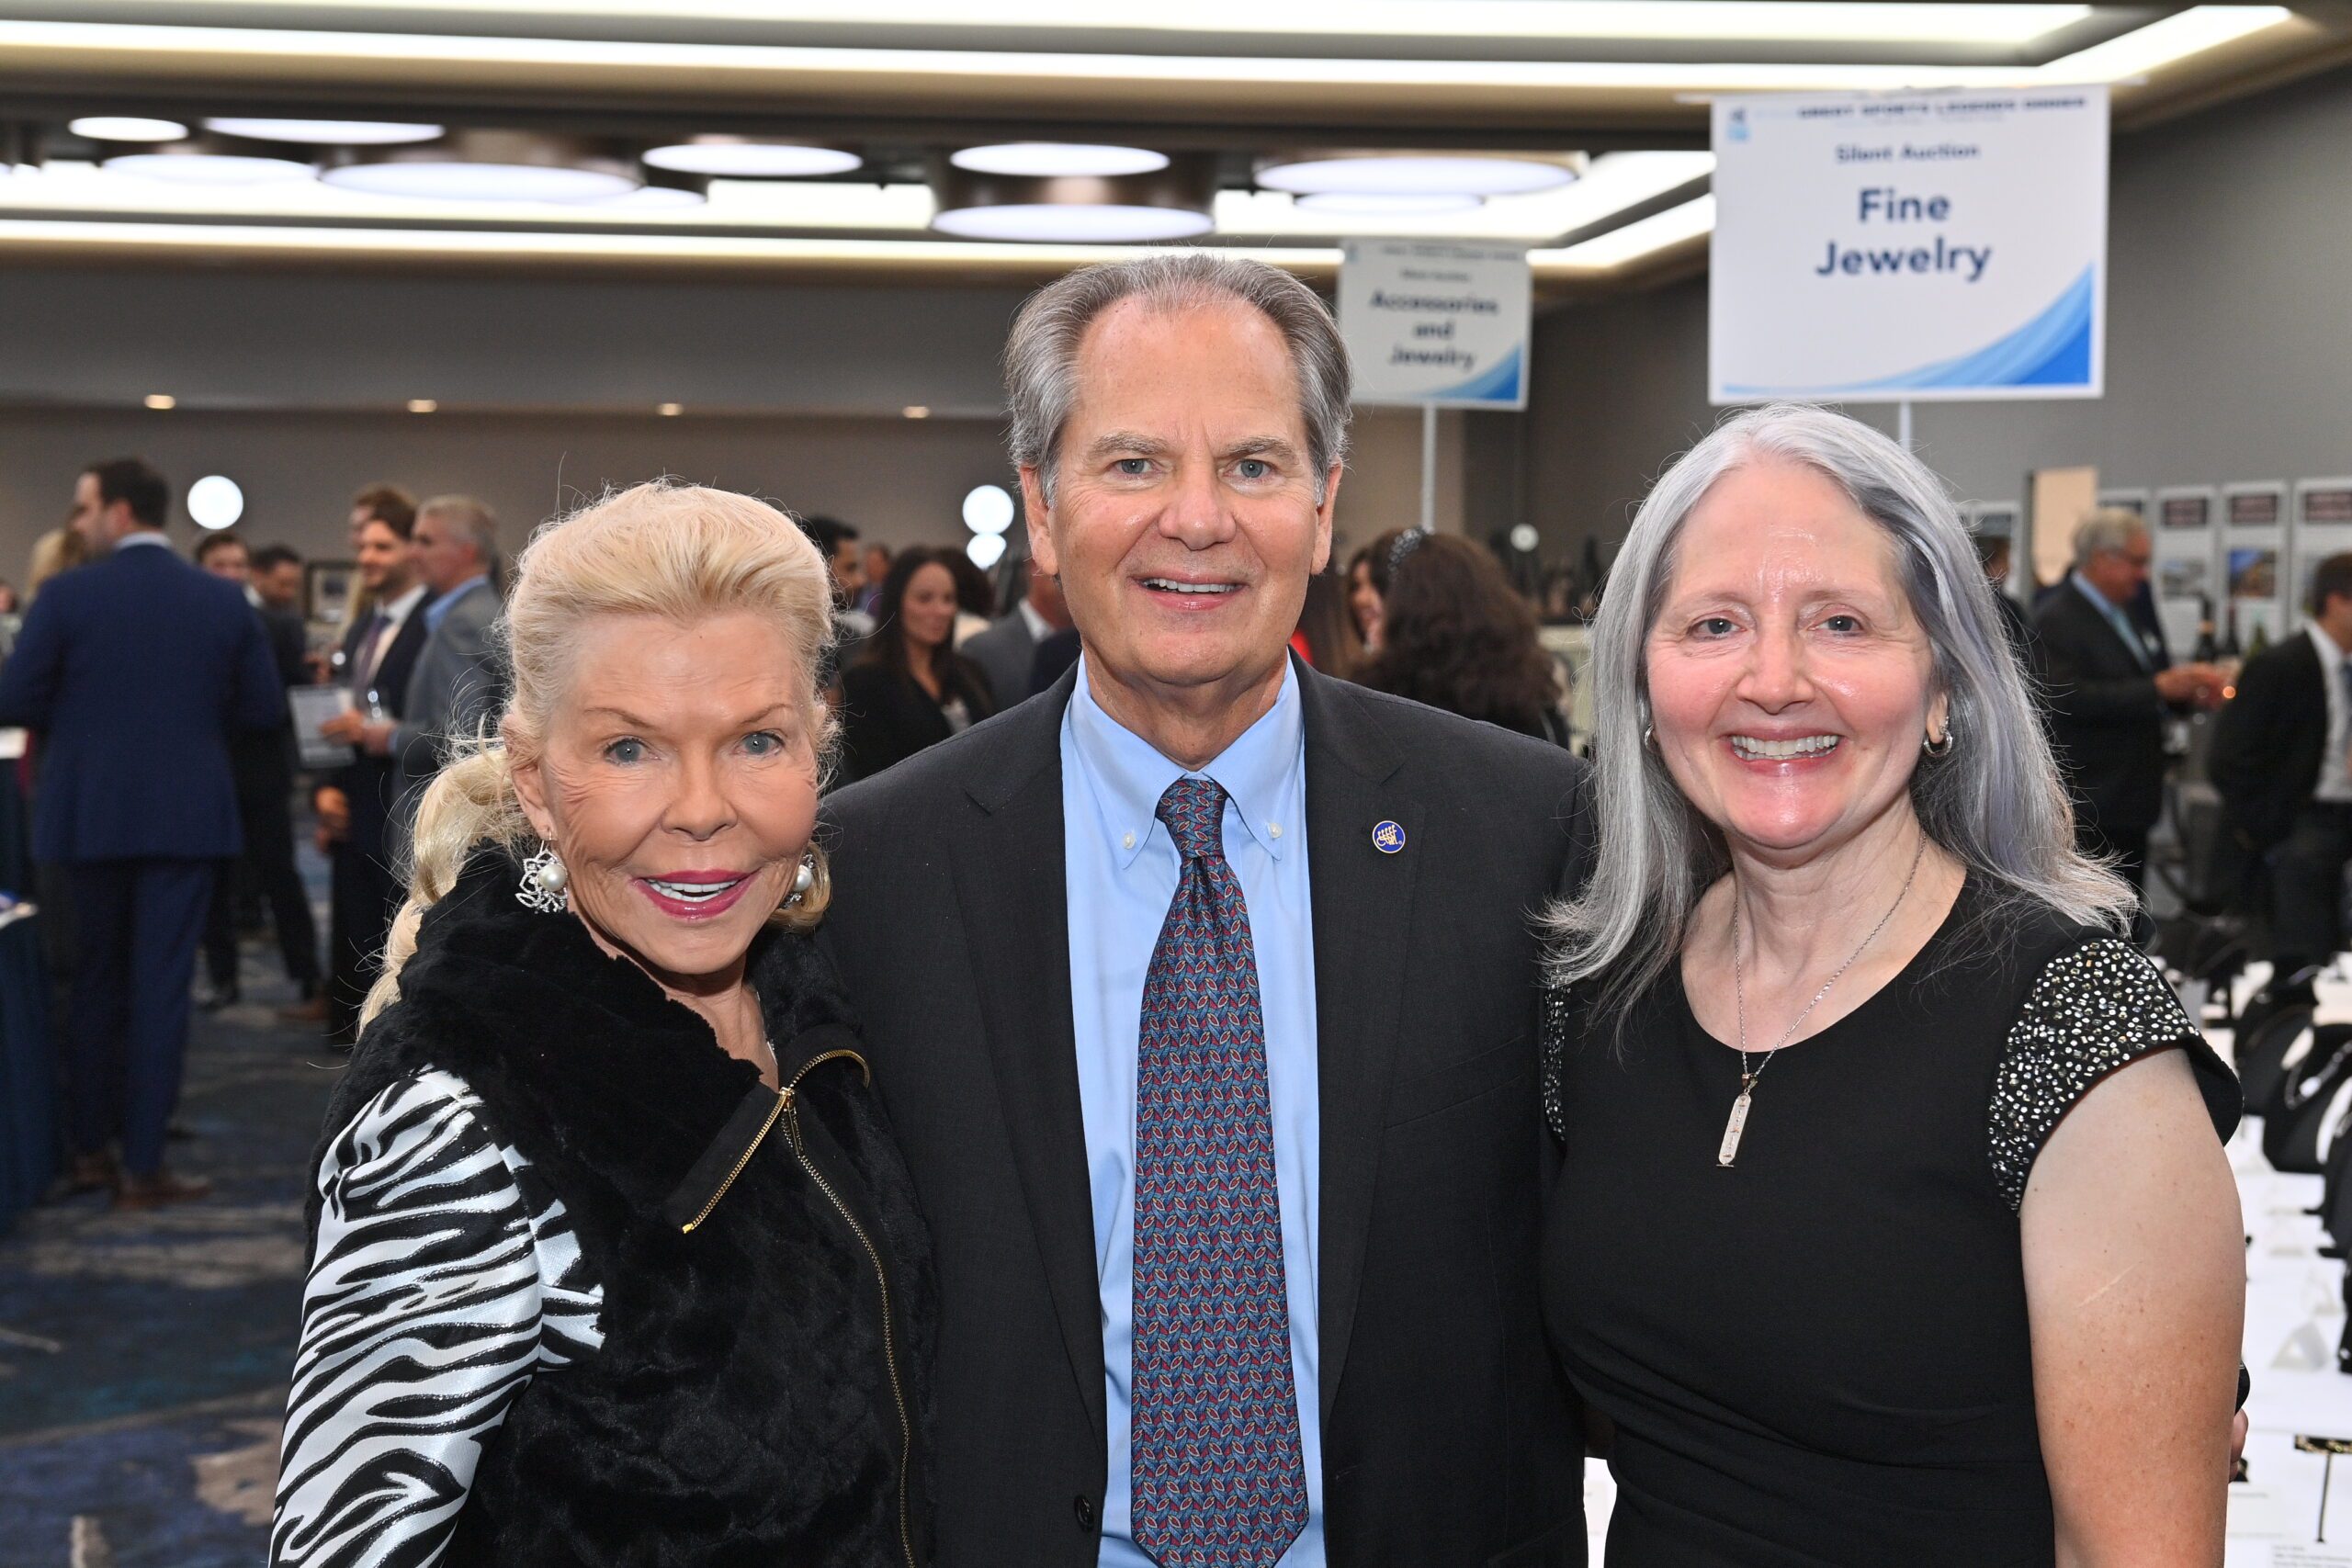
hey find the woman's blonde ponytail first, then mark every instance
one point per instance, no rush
(470, 802)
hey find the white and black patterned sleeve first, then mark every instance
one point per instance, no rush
(2097, 1008)
(443, 1277)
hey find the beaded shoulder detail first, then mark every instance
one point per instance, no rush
(1557, 1005)
(2094, 1010)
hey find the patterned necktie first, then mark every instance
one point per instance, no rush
(1216, 1476)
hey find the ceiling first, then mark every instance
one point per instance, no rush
(1623, 83)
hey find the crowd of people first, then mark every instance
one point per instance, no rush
(1119, 1020)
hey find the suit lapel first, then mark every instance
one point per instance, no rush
(1363, 900)
(1013, 896)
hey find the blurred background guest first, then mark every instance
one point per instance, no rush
(59, 550)
(2280, 758)
(837, 542)
(1993, 554)
(8, 604)
(1327, 636)
(2110, 685)
(974, 596)
(134, 672)
(278, 578)
(1457, 638)
(1367, 582)
(456, 686)
(877, 567)
(1007, 652)
(356, 804)
(262, 763)
(909, 688)
(380, 501)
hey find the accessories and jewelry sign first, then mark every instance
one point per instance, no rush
(1436, 322)
(1930, 245)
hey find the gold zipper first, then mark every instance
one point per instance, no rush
(882, 1279)
(782, 1100)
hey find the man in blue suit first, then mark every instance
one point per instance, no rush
(133, 671)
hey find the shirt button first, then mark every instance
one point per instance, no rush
(1084, 1506)
(1127, 840)
(1273, 829)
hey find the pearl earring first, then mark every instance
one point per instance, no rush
(544, 878)
(802, 880)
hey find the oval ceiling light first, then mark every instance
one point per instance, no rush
(984, 550)
(1386, 204)
(214, 501)
(326, 132)
(488, 165)
(988, 509)
(126, 128)
(664, 191)
(751, 158)
(1415, 173)
(1172, 203)
(1047, 160)
(207, 159)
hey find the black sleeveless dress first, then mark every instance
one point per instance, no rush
(1819, 1355)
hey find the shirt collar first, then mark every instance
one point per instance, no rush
(438, 611)
(1039, 627)
(142, 536)
(1262, 771)
(397, 611)
(2099, 600)
(2329, 654)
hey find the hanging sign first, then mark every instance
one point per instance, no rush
(1930, 245)
(1436, 322)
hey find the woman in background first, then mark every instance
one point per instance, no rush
(1367, 582)
(1458, 638)
(1327, 636)
(909, 688)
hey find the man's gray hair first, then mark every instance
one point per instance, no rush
(473, 519)
(1041, 357)
(1996, 802)
(2109, 529)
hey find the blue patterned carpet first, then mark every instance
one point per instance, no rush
(144, 1356)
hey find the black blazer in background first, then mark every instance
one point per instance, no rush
(264, 761)
(1449, 1436)
(372, 782)
(2106, 719)
(886, 716)
(2266, 743)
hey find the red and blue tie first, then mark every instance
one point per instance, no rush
(1216, 1476)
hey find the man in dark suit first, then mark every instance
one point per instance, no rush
(356, 808)
(1007, 652)
(263, 763)
(134, 672)
(2111, 684)
(2279, 759)
(1202, 994)
(456, 687)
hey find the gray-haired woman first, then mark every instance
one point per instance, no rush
(1959, 1283)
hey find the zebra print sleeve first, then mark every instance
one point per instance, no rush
(444, 1274)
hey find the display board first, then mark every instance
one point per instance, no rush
(2182, 577)
(1432, 323)
(2322, 517)
(2060, 499)
(2253, 560)
(2135, 501)
(1908, 245)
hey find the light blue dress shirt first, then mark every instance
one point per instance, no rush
(1122, 871)
(438, 610)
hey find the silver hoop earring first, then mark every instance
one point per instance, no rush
(802, 880)
(1649, 737)
(1939, 749)
(544, 879)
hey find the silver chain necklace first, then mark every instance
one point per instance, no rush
(1737, 1124)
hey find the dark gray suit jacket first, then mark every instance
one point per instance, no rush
(1449, 1436)
(454, 688)
(1005, 653)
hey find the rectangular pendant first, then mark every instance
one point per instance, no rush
(1733, 1129)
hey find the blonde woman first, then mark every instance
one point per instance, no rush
(614, 1260)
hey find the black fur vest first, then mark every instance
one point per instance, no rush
(760, 1395)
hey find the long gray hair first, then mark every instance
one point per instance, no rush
(1996, 802)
